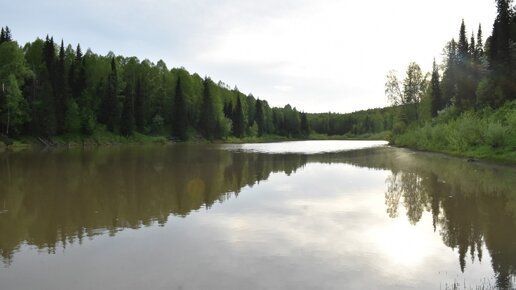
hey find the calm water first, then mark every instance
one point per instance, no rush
(294, 215)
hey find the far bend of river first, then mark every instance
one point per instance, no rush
(293, 215)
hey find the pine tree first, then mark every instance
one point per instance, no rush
(463, 47)
(228, 110)
(127, 118)
(238, 119)
(61, 91)
(45, 108)
(479, 50)
(139, 107)
(179, 117)
(465, 91)
(436, 98)
(305, 126)
(110, 101)
(473, 48)
(2, 35)
(7, 34)
(208, 121)
(499, 46)
(260, 118)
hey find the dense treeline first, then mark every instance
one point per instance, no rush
(474, 87)
(49, 89)
(353, 124)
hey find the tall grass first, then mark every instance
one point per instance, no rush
(487, 133)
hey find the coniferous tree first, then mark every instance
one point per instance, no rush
(110, 99)
(436, 98)
(462, 46)
(45, 119)
(465, 93)
(180, 117)
(260, 117)
(238, 119)
(500, 53)
(139, 106)
(61, 91)
(450, 75)
(8, 36)
(208, 121)
(473, 48)
(127, 118)
(228, 110)
(5, 35)
(499, 46)
(480, 45)
(2, 35)
(305, 127)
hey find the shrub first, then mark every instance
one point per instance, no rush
(495, 134)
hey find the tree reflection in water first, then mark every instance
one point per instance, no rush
(54, 199)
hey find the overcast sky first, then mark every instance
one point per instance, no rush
(317, 55)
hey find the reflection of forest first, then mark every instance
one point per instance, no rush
(46, 199)
(471, 204)
(62, 197)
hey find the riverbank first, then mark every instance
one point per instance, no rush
(105, 138)
(485, 134)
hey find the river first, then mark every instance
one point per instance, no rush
(291, 215)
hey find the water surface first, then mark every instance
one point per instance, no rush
(294, 215)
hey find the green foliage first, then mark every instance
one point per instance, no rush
(238, 119)
(13, 109)
(496, 134)
(60, 86)
(180, 119)
(88, 121)
(157, 125)
(467, 133)
(208, 121)
(127, 118)
(73, 117)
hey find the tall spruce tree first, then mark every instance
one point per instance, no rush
(305, 126)
(208, 121)
(473, 48)
(437, 102)
(8, 35)
(500, 44)
(110, 102)
(5, 35)
(180, 117)
(480, 45)
(127, 118)
(260, 117)
(238, 119)
(465, 87)
(449, 80)
(61, 91)
(139, 107)
(45, 104)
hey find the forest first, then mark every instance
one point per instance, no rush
(467, 104)
(51, 89)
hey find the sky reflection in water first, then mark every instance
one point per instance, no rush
(205, 217)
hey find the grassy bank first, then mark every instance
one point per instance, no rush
(486, 134)
(106, 138)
